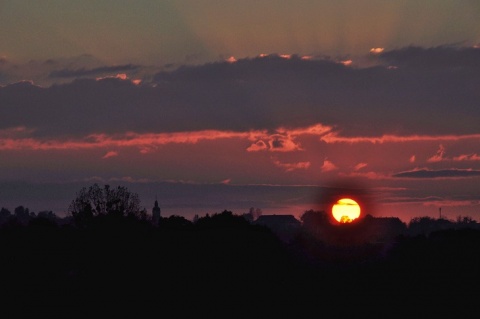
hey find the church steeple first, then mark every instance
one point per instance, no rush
(156, 212)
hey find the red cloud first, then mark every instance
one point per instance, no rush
(333, 137)
(284, 139)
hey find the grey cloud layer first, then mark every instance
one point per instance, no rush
(70, 73)
(440, 58)
(445, 173)
(263, 93)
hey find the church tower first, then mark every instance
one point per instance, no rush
(156, 213)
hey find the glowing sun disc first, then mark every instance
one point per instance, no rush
(345, 210)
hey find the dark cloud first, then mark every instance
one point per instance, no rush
(70, 73)
(412, 199)
(439, 58)
(255, 93)
(57, 71)
(445, 173)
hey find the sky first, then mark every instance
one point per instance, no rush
(277, 105)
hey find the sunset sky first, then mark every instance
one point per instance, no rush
(207, 105)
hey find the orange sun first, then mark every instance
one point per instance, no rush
(345, 210)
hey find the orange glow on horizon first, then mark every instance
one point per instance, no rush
(345, 210)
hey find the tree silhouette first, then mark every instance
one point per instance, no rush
(221, 220)
(22, 214)
(316, 222)
(5, 215)
(175, 222)
(97, 201)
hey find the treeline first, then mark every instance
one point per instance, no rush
(126, 264)
(109, 254)
(314, 221)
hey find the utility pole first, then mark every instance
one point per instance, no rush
(440, 212)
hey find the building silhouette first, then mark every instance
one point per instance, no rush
(156, 213)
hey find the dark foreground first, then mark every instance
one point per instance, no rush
(127, 268)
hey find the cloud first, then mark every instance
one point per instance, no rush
(451, 203)
(127, 179)
(445, 173)
(376, 50)
(328, 166)
(439, 156)
(22, 138)
(451, 57)
(73, 73)
(336, 137)
(15, 132)
(110, 154)
(368, 175)
(284, 140)
(46, 73)
(465, 157)
(258, 146)
(359, 166)
(288, 167)
(261, 93)
(143, 141)
(282, 143)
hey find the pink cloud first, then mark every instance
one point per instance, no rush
(368, 175)
(257, 146)
(346, 62)
(231, 59)
(376, 50)
(317, 129)
(226, 181)
(110, 154)
(470, 157)
(412, 159)
(144, 141)
(334, 137)
(13, 132)
(292, 166)
(121, 76)
(328, 166)
(275, 143)
(284, 139)
(439, 156)
(359, 166)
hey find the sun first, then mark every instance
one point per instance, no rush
(345, 210)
